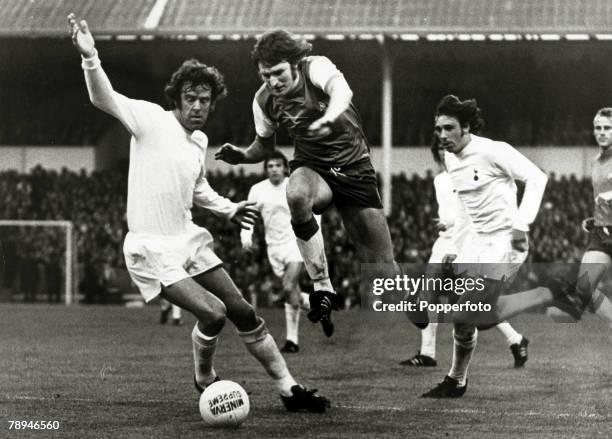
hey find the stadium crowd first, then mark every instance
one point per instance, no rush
(96, 204)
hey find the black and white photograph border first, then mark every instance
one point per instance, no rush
(83, 355)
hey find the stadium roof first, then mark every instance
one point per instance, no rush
(318, 17)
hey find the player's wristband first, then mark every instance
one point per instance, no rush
(90, 63)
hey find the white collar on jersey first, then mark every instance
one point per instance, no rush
(200, 138)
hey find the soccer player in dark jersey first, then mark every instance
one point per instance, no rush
(310, 97)
(574, 296)
(597, 258)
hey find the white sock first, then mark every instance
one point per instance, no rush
(292, 322)
(428, 340)
(512, 337)
(463, 348)
(315, 261)
(253, 297)
(204, 348)
(602, 306)
(262, 346)
(305, 305)
(176, 312)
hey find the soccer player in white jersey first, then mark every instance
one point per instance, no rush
(270, 198)
(454, 237)
(166, 254)
(483, 172)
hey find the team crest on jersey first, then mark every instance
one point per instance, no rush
(322, 106)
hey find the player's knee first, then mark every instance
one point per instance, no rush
(464, 332)
(293, 299)
(212, 318)
(300, 203)
(289, 286)
(243, 316)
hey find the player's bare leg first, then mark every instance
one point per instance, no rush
(593, 267)
(367, 227)
(573, 300)
(254, 333)
(293, 299)
(308, 192)
(210, 312)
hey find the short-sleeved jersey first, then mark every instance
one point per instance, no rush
(602, 182)
(271, 201)
(346, 144)
(483, 174)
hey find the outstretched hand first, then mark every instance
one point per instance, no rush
(82, 38)
(230, 154)
(588, 224)
(246, 214)
(320, 127)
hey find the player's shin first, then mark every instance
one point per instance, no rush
(263, 347)
(428, 340)
(204, 348)
(602, 306)
(292, 322)
(465, 337)
(312, 248)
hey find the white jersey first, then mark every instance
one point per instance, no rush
(452, 215)
(271, 201)
(483, 174)
(167, 166)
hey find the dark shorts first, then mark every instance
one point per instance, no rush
(601, 240)
(352, 185)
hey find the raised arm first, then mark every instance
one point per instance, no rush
(98, 85)
(135, 115)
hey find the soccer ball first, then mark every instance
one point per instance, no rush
(224, 404)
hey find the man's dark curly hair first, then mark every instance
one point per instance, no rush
(466, 112)
(197, 73)
(277, 46)
(276, 155)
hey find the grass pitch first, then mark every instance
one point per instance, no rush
(112, 372)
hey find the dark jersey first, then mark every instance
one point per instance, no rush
(602, 183)
(345, 145)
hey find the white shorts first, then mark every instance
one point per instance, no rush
(156, 260)
(490, 256)
(443, 246)
(282, 254)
